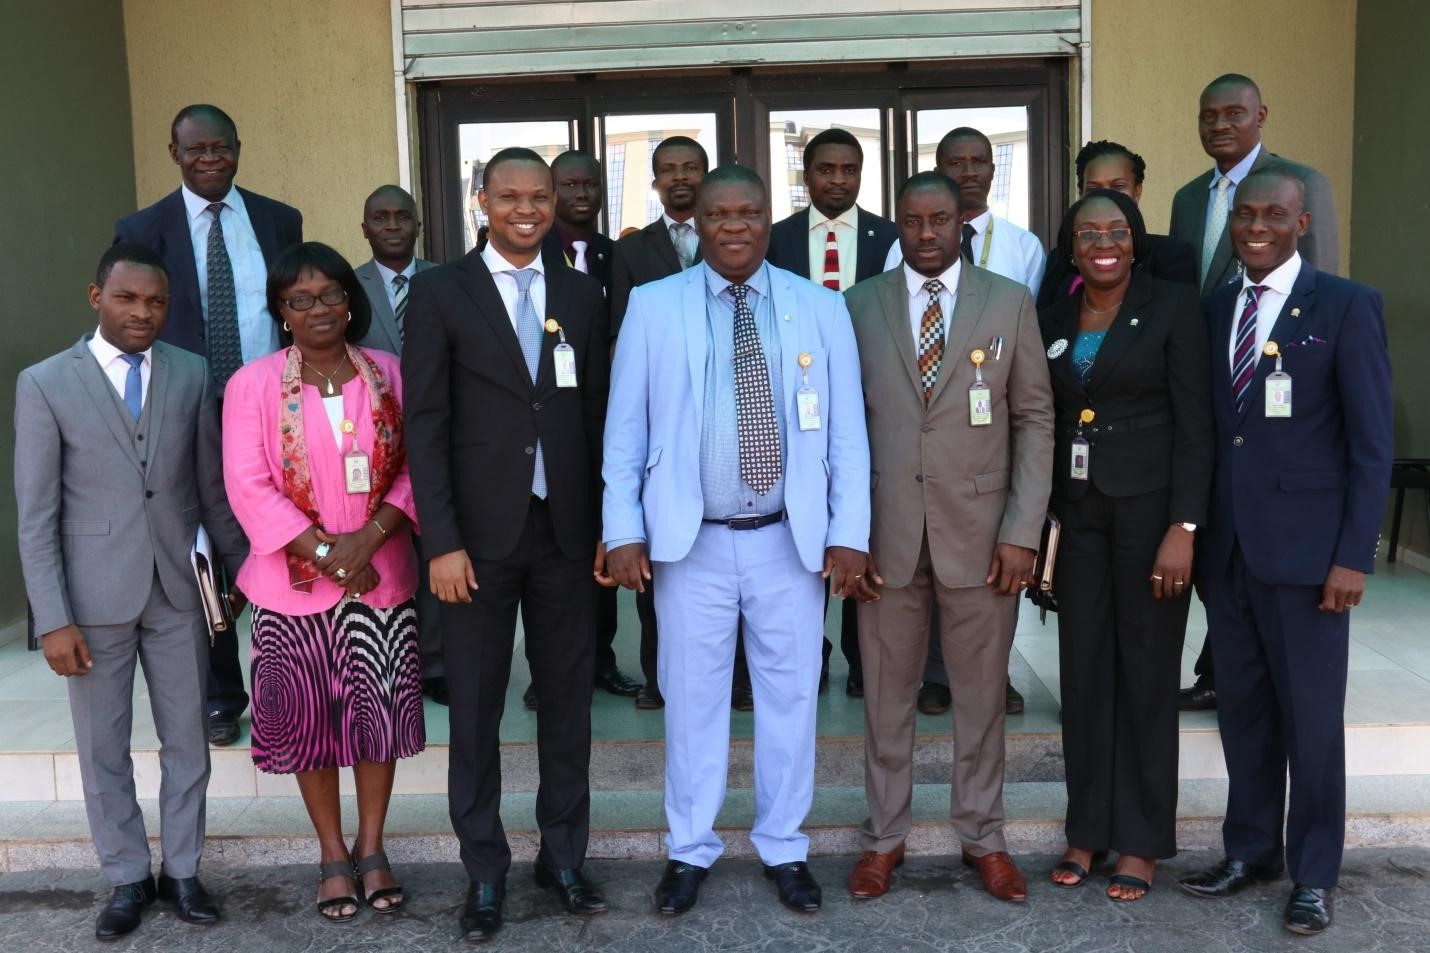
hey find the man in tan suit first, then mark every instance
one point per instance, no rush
(960, 417)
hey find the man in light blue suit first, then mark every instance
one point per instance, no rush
(737, 470)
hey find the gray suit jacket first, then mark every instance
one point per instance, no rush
(383, 332)
(972, 487)
(1320, 245)
(100, 510)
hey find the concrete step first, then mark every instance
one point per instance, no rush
(1388, 811)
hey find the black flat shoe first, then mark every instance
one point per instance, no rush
(934, 698)
(576, 893)
(854, 684)
(332, 908)
(191, 901)
(1077, 870)
(679, 887)
(649, 698)
(616, 682)
(1227, 878)
(529, 699)
(435, 688)
(1309, 910)
(223, 729)
(394, 896)
(481, 914)
(742, 698)
(126, 905)
(798, 891)
(1196, 698)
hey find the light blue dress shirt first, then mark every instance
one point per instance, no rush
(725, 493)
(387, 274)
(257, 332)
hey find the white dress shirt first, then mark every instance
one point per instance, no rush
(502, 273)
(257, 332)
(919, 298)
(111, 361)
(846, 232)
(1235, 174)
(1278, 287)
(388, 274)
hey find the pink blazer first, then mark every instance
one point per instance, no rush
(253, 476)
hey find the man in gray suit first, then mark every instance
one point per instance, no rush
(1229, 122)
(391, 227)
(116, 466)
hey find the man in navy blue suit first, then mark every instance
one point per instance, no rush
(1301, 394)
(216, 241)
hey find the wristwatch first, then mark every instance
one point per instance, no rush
(322, 549)
(1189, 527)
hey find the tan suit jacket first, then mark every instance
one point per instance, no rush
(973, 487)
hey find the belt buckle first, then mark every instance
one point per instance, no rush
(743, 522)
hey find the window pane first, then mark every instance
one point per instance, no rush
(477, 142)
(790, 132)
(1007, 128)
(630, 141)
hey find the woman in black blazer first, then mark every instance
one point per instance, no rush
(1128, 357)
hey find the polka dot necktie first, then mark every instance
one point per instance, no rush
(754, 406)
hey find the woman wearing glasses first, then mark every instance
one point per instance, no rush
(317, 471)
(1128, 357)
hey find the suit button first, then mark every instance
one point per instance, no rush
(148, 494)
(536, 405)
(530, 451)
(1237, 441)
(139, 436)
(925, 428)
(919, 478)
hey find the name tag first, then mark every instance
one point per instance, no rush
(808, 402)
(1278, 394)
(980, 404)
(357, 471)
(565, 357)
(1081, 458)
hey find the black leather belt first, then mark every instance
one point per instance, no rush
(749, 522)
(1127, 425)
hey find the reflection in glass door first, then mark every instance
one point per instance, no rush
(1007, 128)
(628, 143)
(790, 131)
(477, 142)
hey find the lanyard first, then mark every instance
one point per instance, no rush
(987, 243)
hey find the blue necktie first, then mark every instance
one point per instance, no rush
(528, 332)
(225, 344)
(133, 384)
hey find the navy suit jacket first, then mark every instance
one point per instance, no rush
(789, 245)
(1303, 493)
(164, 227)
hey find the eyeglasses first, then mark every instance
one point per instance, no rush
(1089, 236)
(331, 298)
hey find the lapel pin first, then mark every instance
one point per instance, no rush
(786, 317)
(1133, 322)
(870, 233)
(1295, 312)
(1056, 349)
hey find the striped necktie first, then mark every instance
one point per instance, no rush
(831, 261)
(931, 339)
(399, 305)
(1243, 361)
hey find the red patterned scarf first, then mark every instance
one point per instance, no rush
(388, 452)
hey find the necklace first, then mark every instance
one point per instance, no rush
(1085, 305)
(327, 377)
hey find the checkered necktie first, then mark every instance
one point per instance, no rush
(831, 261)
(931, 338)
(225, 346)
(1216, 224)
(1243, 361)
(528, 332)
(754, 406)
(399, 305)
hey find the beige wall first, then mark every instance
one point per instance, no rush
(1151, 60)
(309, 84)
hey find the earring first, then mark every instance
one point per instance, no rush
(286, 328)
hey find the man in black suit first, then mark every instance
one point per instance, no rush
(835, 243)
(506, 369)
(216, 241)
(574, 239)
(664, 247)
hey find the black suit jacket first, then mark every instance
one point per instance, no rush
(473, 416)
(1168, 257)
(640, 258)
(789, 245)
(164, 227)
(1151, 382)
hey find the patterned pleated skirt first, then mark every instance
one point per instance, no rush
(336, 687)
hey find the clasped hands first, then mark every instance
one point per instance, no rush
(348, 562)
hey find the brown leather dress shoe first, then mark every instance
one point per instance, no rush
(872, 873)
(1000, 877)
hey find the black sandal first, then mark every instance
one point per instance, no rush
(377, 860)
(1073, 867)
(336, 868)
(1127, 880)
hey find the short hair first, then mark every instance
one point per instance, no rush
(1106, 147)
(1233, 79)
(964, 132)
(734, 175)
(197, 110)
(1129, 211)
(391, 190)
(832, 137)
(930, 179)
(510, 154)
(289, 266)
(1278, 173)
(680, 142)
(132, 253)
(577, 155)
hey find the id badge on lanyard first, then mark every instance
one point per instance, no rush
(980, 395)
(1278, 385)
(357, 469)
(807, 398)
(1080, 463)
(563, 356)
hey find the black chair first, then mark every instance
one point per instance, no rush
(1408, 473)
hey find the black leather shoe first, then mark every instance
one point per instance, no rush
(1227, 878)
(742, 697)
(1309, 911)
(1197, 698)
(614, 681)
(854, 684)
(481, 914)
(798, 891)
(576, 892)
(679, 887)
(191, 901)
(934, 698)
(529, 699)
(824, 679)
(649, 698)
(223, 728)
(1012, 700)
(435, 688)
(126, 905)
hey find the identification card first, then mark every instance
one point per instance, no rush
(980, 404)
(359, 474)
(807, 399)
(1278, 394)
(1081, 458)
(565, 357)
